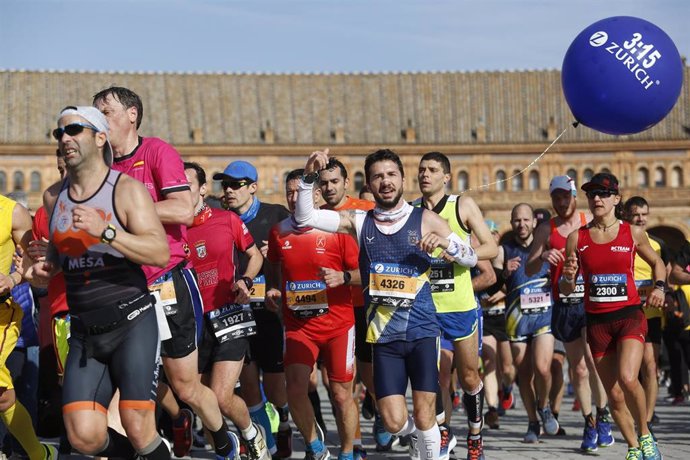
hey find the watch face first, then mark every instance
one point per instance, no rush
(109, 234)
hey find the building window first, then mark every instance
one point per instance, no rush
(676, 177)
(572, 174)
(587, 176)
(217, 186)
(659, 177)
(463, 181)
(533, 181)
(605, 171)
(359, 181)
(500, 181)
(3, 182)
(643, 177)
(516, 182)
(18, 180)
(35, 181)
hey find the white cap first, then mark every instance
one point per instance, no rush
(563, 183)
(97, 119)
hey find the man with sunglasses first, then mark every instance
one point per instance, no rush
(102, 229)
(158, 165)
(240, 184)
(568, 317)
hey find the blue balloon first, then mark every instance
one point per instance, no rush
(622, 75)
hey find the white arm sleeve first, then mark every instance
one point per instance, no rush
(463, 253)
(307, 216)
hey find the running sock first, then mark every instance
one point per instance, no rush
(18, 422)
(345, 456)
(589, 420)
(117, 446)
(408, 427)
(221, 441)
(259, 416)
(157, 450)
(250, 432)
(316, 446)
(474, 405)
(429, 443)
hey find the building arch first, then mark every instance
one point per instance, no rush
(587, 175)
(517, 181)
(3, 182)
(533, 180)
(35, 181)
(572, 173)
(18, 180)
(358, 181)
(500, 180)
(642, 177)
(659, 176)
(463, 181)
(676, 180)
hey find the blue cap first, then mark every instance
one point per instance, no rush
(238, 170)
(492, 225)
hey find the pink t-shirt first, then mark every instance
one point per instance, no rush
(159, 167)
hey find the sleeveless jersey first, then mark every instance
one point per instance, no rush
(96, 275)
(526, 292)
(395, 277)
(451, 284)
(558, 241)
(608, 271)
(6, 242)
(644, 280)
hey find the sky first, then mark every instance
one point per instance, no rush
(309, 36)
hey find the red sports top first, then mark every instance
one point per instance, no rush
(301, 253)
(214, 239)
(364, 205)
(56, 287)
(557, 241)
(608, 270)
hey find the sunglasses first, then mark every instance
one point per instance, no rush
(72, 130)
(600, 193)
(235, 185)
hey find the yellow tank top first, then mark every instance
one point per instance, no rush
(451, 284)
(6, 242)
(644, 280)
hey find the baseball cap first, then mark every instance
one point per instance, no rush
(601, 181)
(98, 121)
(238, 170)
(563, 183)
(492, 225)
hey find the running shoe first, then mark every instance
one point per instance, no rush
(235, 452)
(413, 448)
(384, 440)
(589, 439)
(491, 418)
(457, 403)
(51, 452)
(604, 434)
(634, 454)
(651, 431)
(475, 447)
(508, 400)
(532, 435)
(256, 447)
(549, 421)
(284, 443)
(649, 449)
(323, 455)
(448, 442)
(182, 433)
(359, 453)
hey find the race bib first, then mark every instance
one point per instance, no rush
(441, 276)
(257, 293)
(393, 285)
(577, 296)
(232, 321)
(644, 288)
(608, 288)
(306, 299)
(535, 299)
(166, 293)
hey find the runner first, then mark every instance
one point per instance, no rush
(265, 368)
(395, 240)
(528, 323)
(311, 273)
(159, 167)
(568, 317)
(453, 294)
(215, 239)
(604, 252)
(103, 227)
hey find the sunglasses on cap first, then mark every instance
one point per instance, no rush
(601, 193)
(72, 129)
(235, 184)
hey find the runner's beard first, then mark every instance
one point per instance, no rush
(388, 204)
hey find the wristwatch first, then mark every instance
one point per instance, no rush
(347, 276)
(310, 178)
(108, 234)
(247, 281)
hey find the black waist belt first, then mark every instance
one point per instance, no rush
(111, 317)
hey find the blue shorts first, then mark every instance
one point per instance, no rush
(397, 362)
(567, 321)
(458, 325)
(521, 327)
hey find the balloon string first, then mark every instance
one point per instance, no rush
(526, 167)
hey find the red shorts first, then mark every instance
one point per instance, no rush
(604, 337)
(337, 353)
